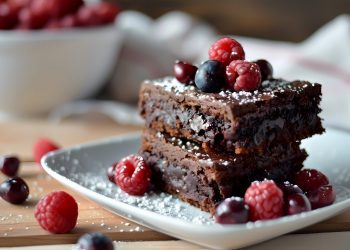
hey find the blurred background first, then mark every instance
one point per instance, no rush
(83, 63)
(269, 19)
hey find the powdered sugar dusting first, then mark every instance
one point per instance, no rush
(269, 89)
(160, 203)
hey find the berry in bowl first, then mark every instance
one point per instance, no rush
(54, 51)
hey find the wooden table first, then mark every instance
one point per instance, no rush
(18, 227)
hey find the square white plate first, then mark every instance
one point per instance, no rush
(83, 169)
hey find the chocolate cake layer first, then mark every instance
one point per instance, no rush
(203, 177)
(239, 122)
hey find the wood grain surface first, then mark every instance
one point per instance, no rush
(18, 226)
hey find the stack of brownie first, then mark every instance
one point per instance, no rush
(205, 147)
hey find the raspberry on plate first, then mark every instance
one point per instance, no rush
(243, 75)
(265, 200)
(42, 147)
(133, 175)
(57, 212)
(226, 50)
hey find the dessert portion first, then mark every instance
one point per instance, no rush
(237, 122)
(204, 177)
(225, 137)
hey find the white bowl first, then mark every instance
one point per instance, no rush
(40, 70)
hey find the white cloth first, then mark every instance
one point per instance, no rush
(151, 47)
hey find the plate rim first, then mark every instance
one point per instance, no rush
(217, 229)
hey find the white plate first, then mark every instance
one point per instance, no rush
(83, 169)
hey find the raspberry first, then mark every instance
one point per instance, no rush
(69, 21)
(265, 200)
(42, 147)
(106, 12)
(8, 16)
(310, 179)
(32, 19)
(57, 212)
(19, 4)
(226, 50)
(97, 14)
(243, 75)
(56, 8)
(133, 175)
(87, 17)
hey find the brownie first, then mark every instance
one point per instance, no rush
(203, 177)
(240, 122)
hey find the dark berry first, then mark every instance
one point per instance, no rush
(266, 69)
(210, 76)
(243, 75)
(133, 175)
(14, 190)
(9, 165)
(321, 197)
(94, 241)
(297, 203)
(111, 172)
(289, 188)
(226, 50)
(57, 212)
(310, 179)
(232, 211)
(185, 72)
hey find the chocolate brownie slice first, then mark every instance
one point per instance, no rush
(204, 177)
(239, 122)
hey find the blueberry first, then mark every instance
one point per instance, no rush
(94, 241)
(210, 76)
